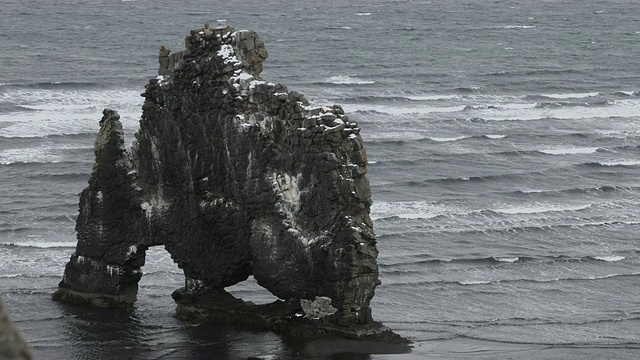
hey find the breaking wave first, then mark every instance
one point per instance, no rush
(615, 163)
(38, 244)
(348, 80)
(475, 282)
(507, 229)
(496, 260)
(53, 85)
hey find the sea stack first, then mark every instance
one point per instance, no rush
(234, 176)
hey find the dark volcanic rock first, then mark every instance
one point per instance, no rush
(12, 346)
(235, 176)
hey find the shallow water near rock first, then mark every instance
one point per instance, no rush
(503, 157)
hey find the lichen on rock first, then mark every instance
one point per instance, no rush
(235, 176)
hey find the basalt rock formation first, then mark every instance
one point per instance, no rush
(235, 176)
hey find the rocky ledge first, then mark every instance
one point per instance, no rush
(234, 176)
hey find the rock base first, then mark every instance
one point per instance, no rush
(93, 299)
(284, 317)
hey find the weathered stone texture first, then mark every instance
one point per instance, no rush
(235, 176)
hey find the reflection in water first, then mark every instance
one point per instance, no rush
(150, 329)
(129, 334)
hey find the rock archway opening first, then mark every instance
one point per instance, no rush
(160, 276)
(250, 291)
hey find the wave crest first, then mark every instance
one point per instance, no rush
(348, 80)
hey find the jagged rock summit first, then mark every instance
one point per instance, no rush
(235, 176)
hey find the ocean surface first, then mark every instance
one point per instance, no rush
(504, 160)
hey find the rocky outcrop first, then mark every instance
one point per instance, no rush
(235, 176)
(12, 346)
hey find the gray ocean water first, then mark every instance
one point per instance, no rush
(504, 159)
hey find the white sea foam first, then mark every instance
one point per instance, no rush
(569, 151)
(29, 125)
(41, 154)
(571, 95)
(71, 99)
(609, 276)
(396, 135)
(519, 26)
(401, 110)
(528, 112)
(533, 191)
(627, 92)
(449, 139)
(621, 163)
(10, 276)
(540, 208)
(348, 80)
(506, 259)
(61, 112)
(432, 97)
(39, 244)
(609, 258)
(505, 111)
(474, 282)
(407, 210)
(620, 133)
(12, 156)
